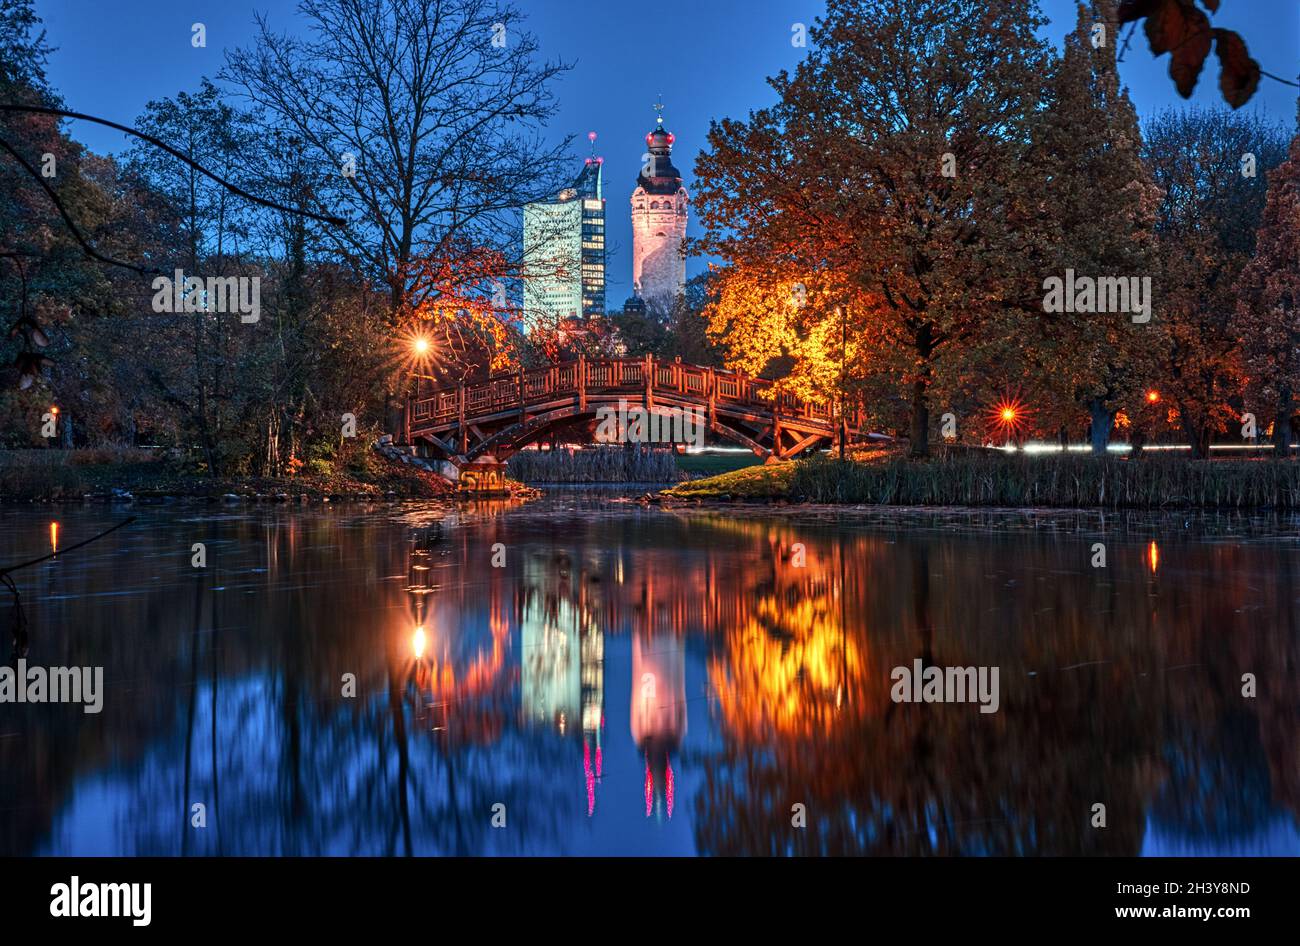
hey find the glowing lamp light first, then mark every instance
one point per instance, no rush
(420, 345)
(1153, 556)
(1010, 416)
(418, 640)
(54, 409)
(54, 537)
(1153, 397)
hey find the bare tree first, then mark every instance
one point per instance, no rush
(420, 121)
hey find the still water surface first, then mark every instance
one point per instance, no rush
(639, 681)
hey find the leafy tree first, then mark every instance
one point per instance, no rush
(1206, 226)
(213, 222)
(46, 276)
(846, 175)
(688, 323)
(1103, 203)
(1268, 307)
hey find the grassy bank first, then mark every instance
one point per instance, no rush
(762, 482)
(48, 475)
(1016, 480)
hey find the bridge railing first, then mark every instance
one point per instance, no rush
(519, 390)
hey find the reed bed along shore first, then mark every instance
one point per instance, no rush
(1062, 481)
(998, 479)
(614, 464)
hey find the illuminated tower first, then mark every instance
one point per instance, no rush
(659, 213)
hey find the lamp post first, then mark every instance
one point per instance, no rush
(420, 348)
(843, 312)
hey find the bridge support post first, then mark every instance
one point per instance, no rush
(462, 432)
(582, 383)
(711, 392)
(649, 372)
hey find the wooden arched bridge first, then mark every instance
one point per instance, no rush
(498, 417)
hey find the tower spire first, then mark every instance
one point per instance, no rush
(659, 110)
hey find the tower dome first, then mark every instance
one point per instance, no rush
(660, 141)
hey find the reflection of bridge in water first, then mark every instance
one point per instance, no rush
(506, 413)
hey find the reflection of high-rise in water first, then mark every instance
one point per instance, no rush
(593, 708)
(658, 711)
(563, 677)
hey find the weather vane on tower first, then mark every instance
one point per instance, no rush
(659, 107)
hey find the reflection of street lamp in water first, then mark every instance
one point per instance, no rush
(419, 586)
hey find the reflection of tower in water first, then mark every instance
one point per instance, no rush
(658, 711)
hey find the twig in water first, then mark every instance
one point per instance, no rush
(20, 616)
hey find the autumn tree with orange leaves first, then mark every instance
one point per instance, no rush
(893, 160)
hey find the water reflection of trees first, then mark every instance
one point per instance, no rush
(224, 687)
(230, 695)
(1110, 692)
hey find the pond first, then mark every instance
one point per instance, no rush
(585, 675)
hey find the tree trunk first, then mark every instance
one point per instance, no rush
(1198, 436)
(920, 396)
(1282, 425)
(920, 420)
(1102, 420)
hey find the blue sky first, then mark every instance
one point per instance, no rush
(708, 58)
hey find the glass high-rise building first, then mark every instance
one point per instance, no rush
(564, 251)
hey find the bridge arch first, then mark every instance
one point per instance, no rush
(507, 412)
